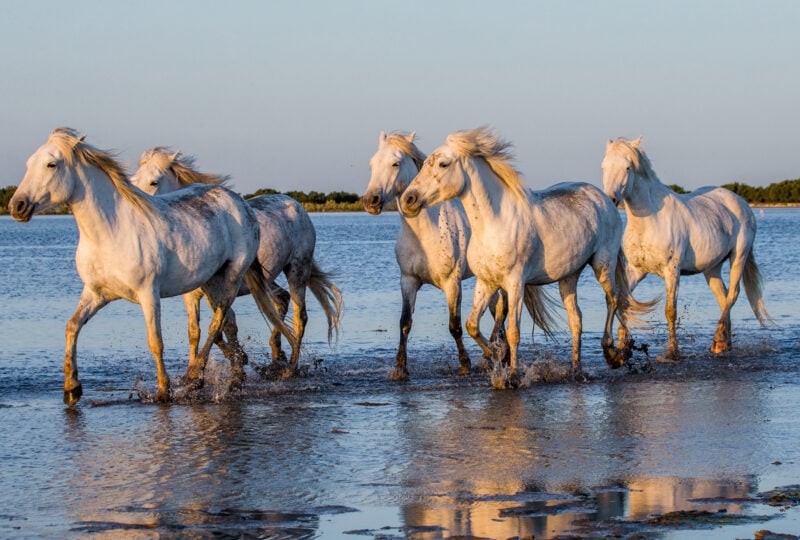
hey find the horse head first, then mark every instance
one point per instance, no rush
(620, 166)
(50, 176)
(392, 168)
(441, 178)
(154, 175)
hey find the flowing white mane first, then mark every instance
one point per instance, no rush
(74, 149)
(631, 150)
(182, 167)
(483, 143)
(405, 144)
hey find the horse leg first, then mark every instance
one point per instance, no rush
(672, 282)
(722, 336)
(409, 286)
(569, 296)
(151, 307)
(514, 297)
(282, 299)
(483, 294)
(89, 304)
(498, 306)
(192, 302)
(605, 276)
(233, 347)
(634, 277)
(299, 319)
(452, 290)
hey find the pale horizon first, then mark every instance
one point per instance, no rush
(293, 96)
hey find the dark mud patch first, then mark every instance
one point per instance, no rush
(387, 533)
(655, 526)
(212, 523)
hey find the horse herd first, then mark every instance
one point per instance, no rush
(171, 230)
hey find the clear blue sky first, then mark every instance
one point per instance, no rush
(293, 94)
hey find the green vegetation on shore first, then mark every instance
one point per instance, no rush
(778, 193)
(315, 201)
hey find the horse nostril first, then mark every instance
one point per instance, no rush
(411, 198)
(19, 207)
(375, 200)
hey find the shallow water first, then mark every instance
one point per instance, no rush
(343, 452)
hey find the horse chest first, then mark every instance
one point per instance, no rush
(648, 252)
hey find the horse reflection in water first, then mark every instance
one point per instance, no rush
(287, 243)
(672, 235)
(522, 237)
(141, 248)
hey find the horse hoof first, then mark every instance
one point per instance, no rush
(616, 358)
(465, 369)
(162, 396)
(399, 375)
(720, 347)
(672, 355)
(71, 397)
(190, 384)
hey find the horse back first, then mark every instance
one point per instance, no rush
(203, 227)
(288, 236)
(572, 223)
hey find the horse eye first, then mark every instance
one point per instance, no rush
(628, 168)
(154, 183)
(396, 164)
(443, 164)
(51, 164)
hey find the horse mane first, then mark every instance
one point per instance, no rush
(641, 163)
(181, 166)
(74, 149)
(482, 142)
(402, 142)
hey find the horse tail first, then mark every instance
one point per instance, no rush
(266, 300)
(540, 305)
(754, 288)
(633, 310)
(329, 297)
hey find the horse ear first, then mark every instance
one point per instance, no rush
(382, 137)
(609, 142)
(637, 141)
(411, 136)
(173, 156)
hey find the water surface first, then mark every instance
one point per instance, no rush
(345, 453)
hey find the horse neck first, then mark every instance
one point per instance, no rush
(170, 183)
(97, 205)
(646, 199)
(483, 197)
(426, 222)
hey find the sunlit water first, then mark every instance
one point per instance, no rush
(345, 453)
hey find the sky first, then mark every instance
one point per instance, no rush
(292, 95)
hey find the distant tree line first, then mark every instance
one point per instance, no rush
(785, 192)
(316, 201)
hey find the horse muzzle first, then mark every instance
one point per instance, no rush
(21, 209)
(410, 204)
(372, 203)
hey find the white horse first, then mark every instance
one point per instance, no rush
(672, 235)
(431, 247)
(142, 248)
(522, 237)
(288, 239)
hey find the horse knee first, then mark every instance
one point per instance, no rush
(473, 328)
